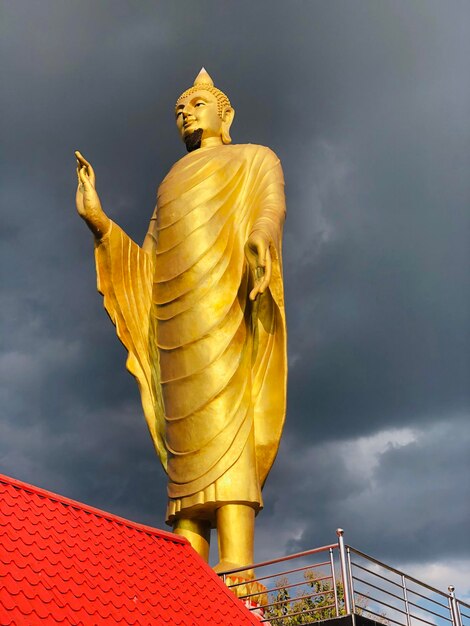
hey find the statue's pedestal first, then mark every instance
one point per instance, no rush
(254, 594)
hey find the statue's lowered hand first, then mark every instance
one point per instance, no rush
(87, 200)
(258, 256)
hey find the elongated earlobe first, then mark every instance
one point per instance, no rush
(227, 120)
(226, 135)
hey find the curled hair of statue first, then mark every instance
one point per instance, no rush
(204, 81)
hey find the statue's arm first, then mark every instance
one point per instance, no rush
(265, 236)
(87, 200)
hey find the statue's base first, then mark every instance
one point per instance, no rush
(254, 595)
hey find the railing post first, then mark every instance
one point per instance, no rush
(405, 597)
(454, 609)
(350, 578)
(333, 580)
(347, 583)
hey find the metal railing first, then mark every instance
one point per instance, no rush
(336, 580)
(388, 595)
(311, 587)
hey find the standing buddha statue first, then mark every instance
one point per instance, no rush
(200, 309)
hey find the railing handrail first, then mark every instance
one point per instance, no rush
(400, 573)
(289, 571)
(298, 555)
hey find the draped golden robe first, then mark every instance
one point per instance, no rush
(210, 364)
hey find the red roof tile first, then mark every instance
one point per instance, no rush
(62, 562)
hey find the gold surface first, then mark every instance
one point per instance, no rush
(200, 309)
(241, 586)
(197, 532)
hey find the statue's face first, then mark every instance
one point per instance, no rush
(198, 111)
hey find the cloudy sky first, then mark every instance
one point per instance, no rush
(367, 104)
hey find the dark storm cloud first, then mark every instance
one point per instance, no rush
(367, 105)
(396, 494)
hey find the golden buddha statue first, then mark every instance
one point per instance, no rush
(199, 307)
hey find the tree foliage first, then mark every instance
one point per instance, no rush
(313, 601)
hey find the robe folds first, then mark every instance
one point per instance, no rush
(210, 364)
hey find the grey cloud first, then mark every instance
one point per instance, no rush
(411, 506)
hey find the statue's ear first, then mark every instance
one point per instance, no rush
(227, 119)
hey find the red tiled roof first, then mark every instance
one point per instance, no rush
(62, 562)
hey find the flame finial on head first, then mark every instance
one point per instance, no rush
(203, 78)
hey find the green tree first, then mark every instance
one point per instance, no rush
(313, 602)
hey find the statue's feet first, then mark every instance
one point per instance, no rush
(241, 582)
(226, 566)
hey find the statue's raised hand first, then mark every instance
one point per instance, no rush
(87, 200)
(259, 260)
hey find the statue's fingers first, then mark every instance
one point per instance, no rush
(91, 174)
(80, 158)
(254, 292)
(258, 278)
(87, 165)
(262, 249)
(263, 283)
(267, 273)
(269, 265)
(83, 176)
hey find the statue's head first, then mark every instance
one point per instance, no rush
(203, 112)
